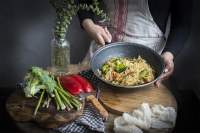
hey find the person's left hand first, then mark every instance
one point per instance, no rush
(169, 67)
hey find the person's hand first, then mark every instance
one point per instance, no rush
(100, 34)
(169, 67)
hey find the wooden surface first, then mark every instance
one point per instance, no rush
(125, 101)
(160, 94)
(21, 109)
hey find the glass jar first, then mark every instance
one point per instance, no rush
(60, 56)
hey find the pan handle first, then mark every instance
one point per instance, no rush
(97, 90)
(106, 43)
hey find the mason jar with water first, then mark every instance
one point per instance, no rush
(60, 56)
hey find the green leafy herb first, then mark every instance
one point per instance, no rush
(41, 82)
(66, 9)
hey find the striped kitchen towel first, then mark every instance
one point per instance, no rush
(90, 121)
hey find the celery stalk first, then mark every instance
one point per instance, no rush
(39, 103)
(62, 106)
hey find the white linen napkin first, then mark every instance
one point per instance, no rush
(145, 117)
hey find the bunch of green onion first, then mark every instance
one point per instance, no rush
(43, 83)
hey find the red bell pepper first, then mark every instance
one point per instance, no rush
(71, 85)
(75, 84)
(86, 86)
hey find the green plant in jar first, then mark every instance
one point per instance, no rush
(65, 10)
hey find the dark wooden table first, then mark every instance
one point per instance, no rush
(29, 127)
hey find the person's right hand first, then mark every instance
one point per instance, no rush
(100, 34)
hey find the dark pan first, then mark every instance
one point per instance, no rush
(129, 50)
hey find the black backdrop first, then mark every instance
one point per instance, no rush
(26, 31)
(187, 64)
(25, 34)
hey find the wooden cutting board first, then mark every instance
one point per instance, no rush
(21, 109)
(125, 101)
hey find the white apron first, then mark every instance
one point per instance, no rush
(131, 21)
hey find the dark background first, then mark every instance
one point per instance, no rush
(26, 28)
(26, 31)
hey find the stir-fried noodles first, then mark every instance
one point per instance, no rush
(126, 71)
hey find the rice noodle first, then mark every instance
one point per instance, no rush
(131, 71)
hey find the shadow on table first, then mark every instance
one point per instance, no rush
(188, 116)
(6, 124)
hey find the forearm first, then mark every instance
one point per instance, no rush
(85, 14)
(176, 40)
(87, 23)
(180, 26)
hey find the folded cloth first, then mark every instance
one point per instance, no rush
(146, 117)
(89, 122)
(163, 117)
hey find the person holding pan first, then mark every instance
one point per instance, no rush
(160, 25)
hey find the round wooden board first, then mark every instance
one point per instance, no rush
(21, 109)
(120, 101)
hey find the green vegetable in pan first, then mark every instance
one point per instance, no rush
(119, 66)
(144, 74)
(105, 68)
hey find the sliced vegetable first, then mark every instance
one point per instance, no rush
(120, 68)
(144, 74)
(75, 84)
(86, 86)
(105, 68)
(71, 84)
